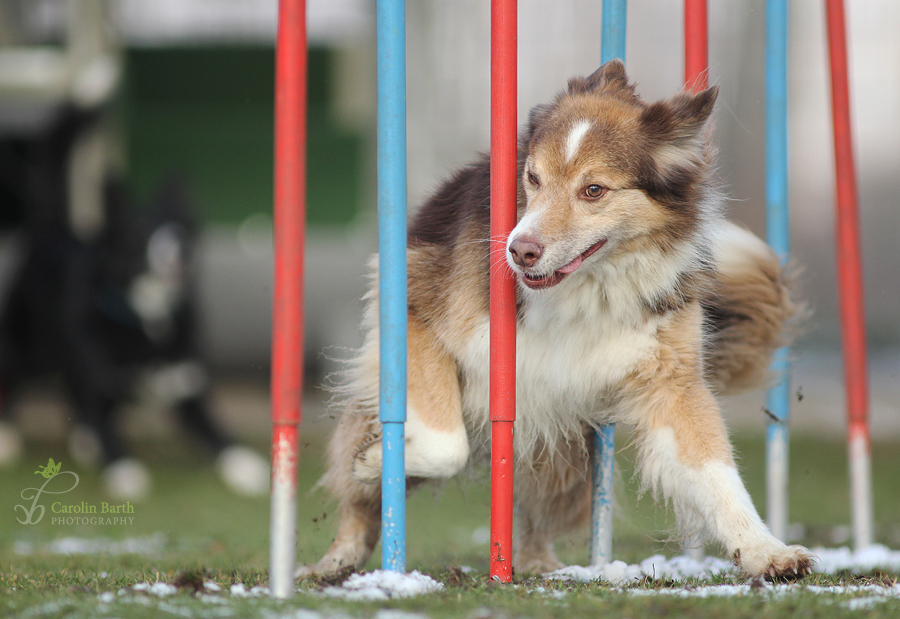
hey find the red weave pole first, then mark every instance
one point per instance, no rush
(849, 263)
(287, 320)
(850, 284)
(502, 287)
(696, 45)
(290, 213)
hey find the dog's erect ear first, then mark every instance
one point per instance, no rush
(679, 146)
(610, 77)
(681, 120)
(611, 72)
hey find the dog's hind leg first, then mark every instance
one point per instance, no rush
(685, 456)
(359, 503)
(553, 498)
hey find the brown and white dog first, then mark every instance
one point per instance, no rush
(636, 303)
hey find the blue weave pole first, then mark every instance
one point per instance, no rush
(602, 496)
(612, 46)
(612, 31)
(391, 60)
(778, 236)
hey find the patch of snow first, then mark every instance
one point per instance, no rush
(865, 595)
(556, 594)
(866, 603)
(161, 589)
(384, 585)
(240, 590)
(697, 592)
(167, 608)
(829, 561)
(149, 544)
(833, 560)
(657, 566)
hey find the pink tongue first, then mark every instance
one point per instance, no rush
(572, 266)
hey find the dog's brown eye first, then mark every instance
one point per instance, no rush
(533, 179)
(594, 191)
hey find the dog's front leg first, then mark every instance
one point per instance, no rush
(685, 455)
(436, 444)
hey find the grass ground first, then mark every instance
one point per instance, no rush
(192, 530)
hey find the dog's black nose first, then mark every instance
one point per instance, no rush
(526, 251)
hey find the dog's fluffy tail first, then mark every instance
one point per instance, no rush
(750, 313)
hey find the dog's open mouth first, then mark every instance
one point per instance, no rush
(548, 281)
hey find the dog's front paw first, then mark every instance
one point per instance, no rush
(537, 562)
(784, 563)
(327, 574)
(305, 571)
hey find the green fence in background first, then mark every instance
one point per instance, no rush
(207, 113)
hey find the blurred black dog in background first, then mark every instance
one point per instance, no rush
(106, 312)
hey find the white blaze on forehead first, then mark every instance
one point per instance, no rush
(576, 135)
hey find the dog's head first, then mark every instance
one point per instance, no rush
(607, 173)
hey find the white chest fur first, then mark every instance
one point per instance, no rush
(571, 347)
